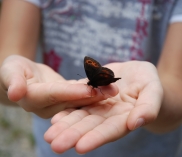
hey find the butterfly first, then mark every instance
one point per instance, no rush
(98, 75)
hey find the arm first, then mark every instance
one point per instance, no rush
(19, 29)
(19, 32)
(170, 73)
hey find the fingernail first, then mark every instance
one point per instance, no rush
(140, 122)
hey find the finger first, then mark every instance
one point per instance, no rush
(110, 130)
(14, 81)
(49, 111)
(60, 115)
(59, 96)
(69, 137)
(17, 88)
(107, 92)
(64, 123)
(42, 95)
(147, 106)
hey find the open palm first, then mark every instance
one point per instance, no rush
(137, 104)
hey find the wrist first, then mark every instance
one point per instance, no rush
(170, 115)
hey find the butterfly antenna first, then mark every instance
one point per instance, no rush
(80, 75)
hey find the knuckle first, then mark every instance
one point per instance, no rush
(52, 98)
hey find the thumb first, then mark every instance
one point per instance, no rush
(16, 88)
(13, 81)
(146, 108)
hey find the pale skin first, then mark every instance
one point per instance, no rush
(145, 96)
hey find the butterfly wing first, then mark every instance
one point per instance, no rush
(92, 67)
(104, 77)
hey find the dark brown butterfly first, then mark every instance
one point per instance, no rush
(98, 75)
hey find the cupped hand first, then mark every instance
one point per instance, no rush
(137, 104)
(37, 88)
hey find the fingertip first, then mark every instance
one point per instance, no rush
(82, 146)
(16, 91)
(81, 149)
(138, 123)
(115, 89)
(141, 116)
(56, 148)
(46, 137)
(55, 119)
(50, 134)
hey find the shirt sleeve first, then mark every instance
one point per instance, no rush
(176, 14)
(35, 2)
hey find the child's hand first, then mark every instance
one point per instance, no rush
(137, 104)
(39, 89)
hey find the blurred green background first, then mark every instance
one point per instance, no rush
(16, 138)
